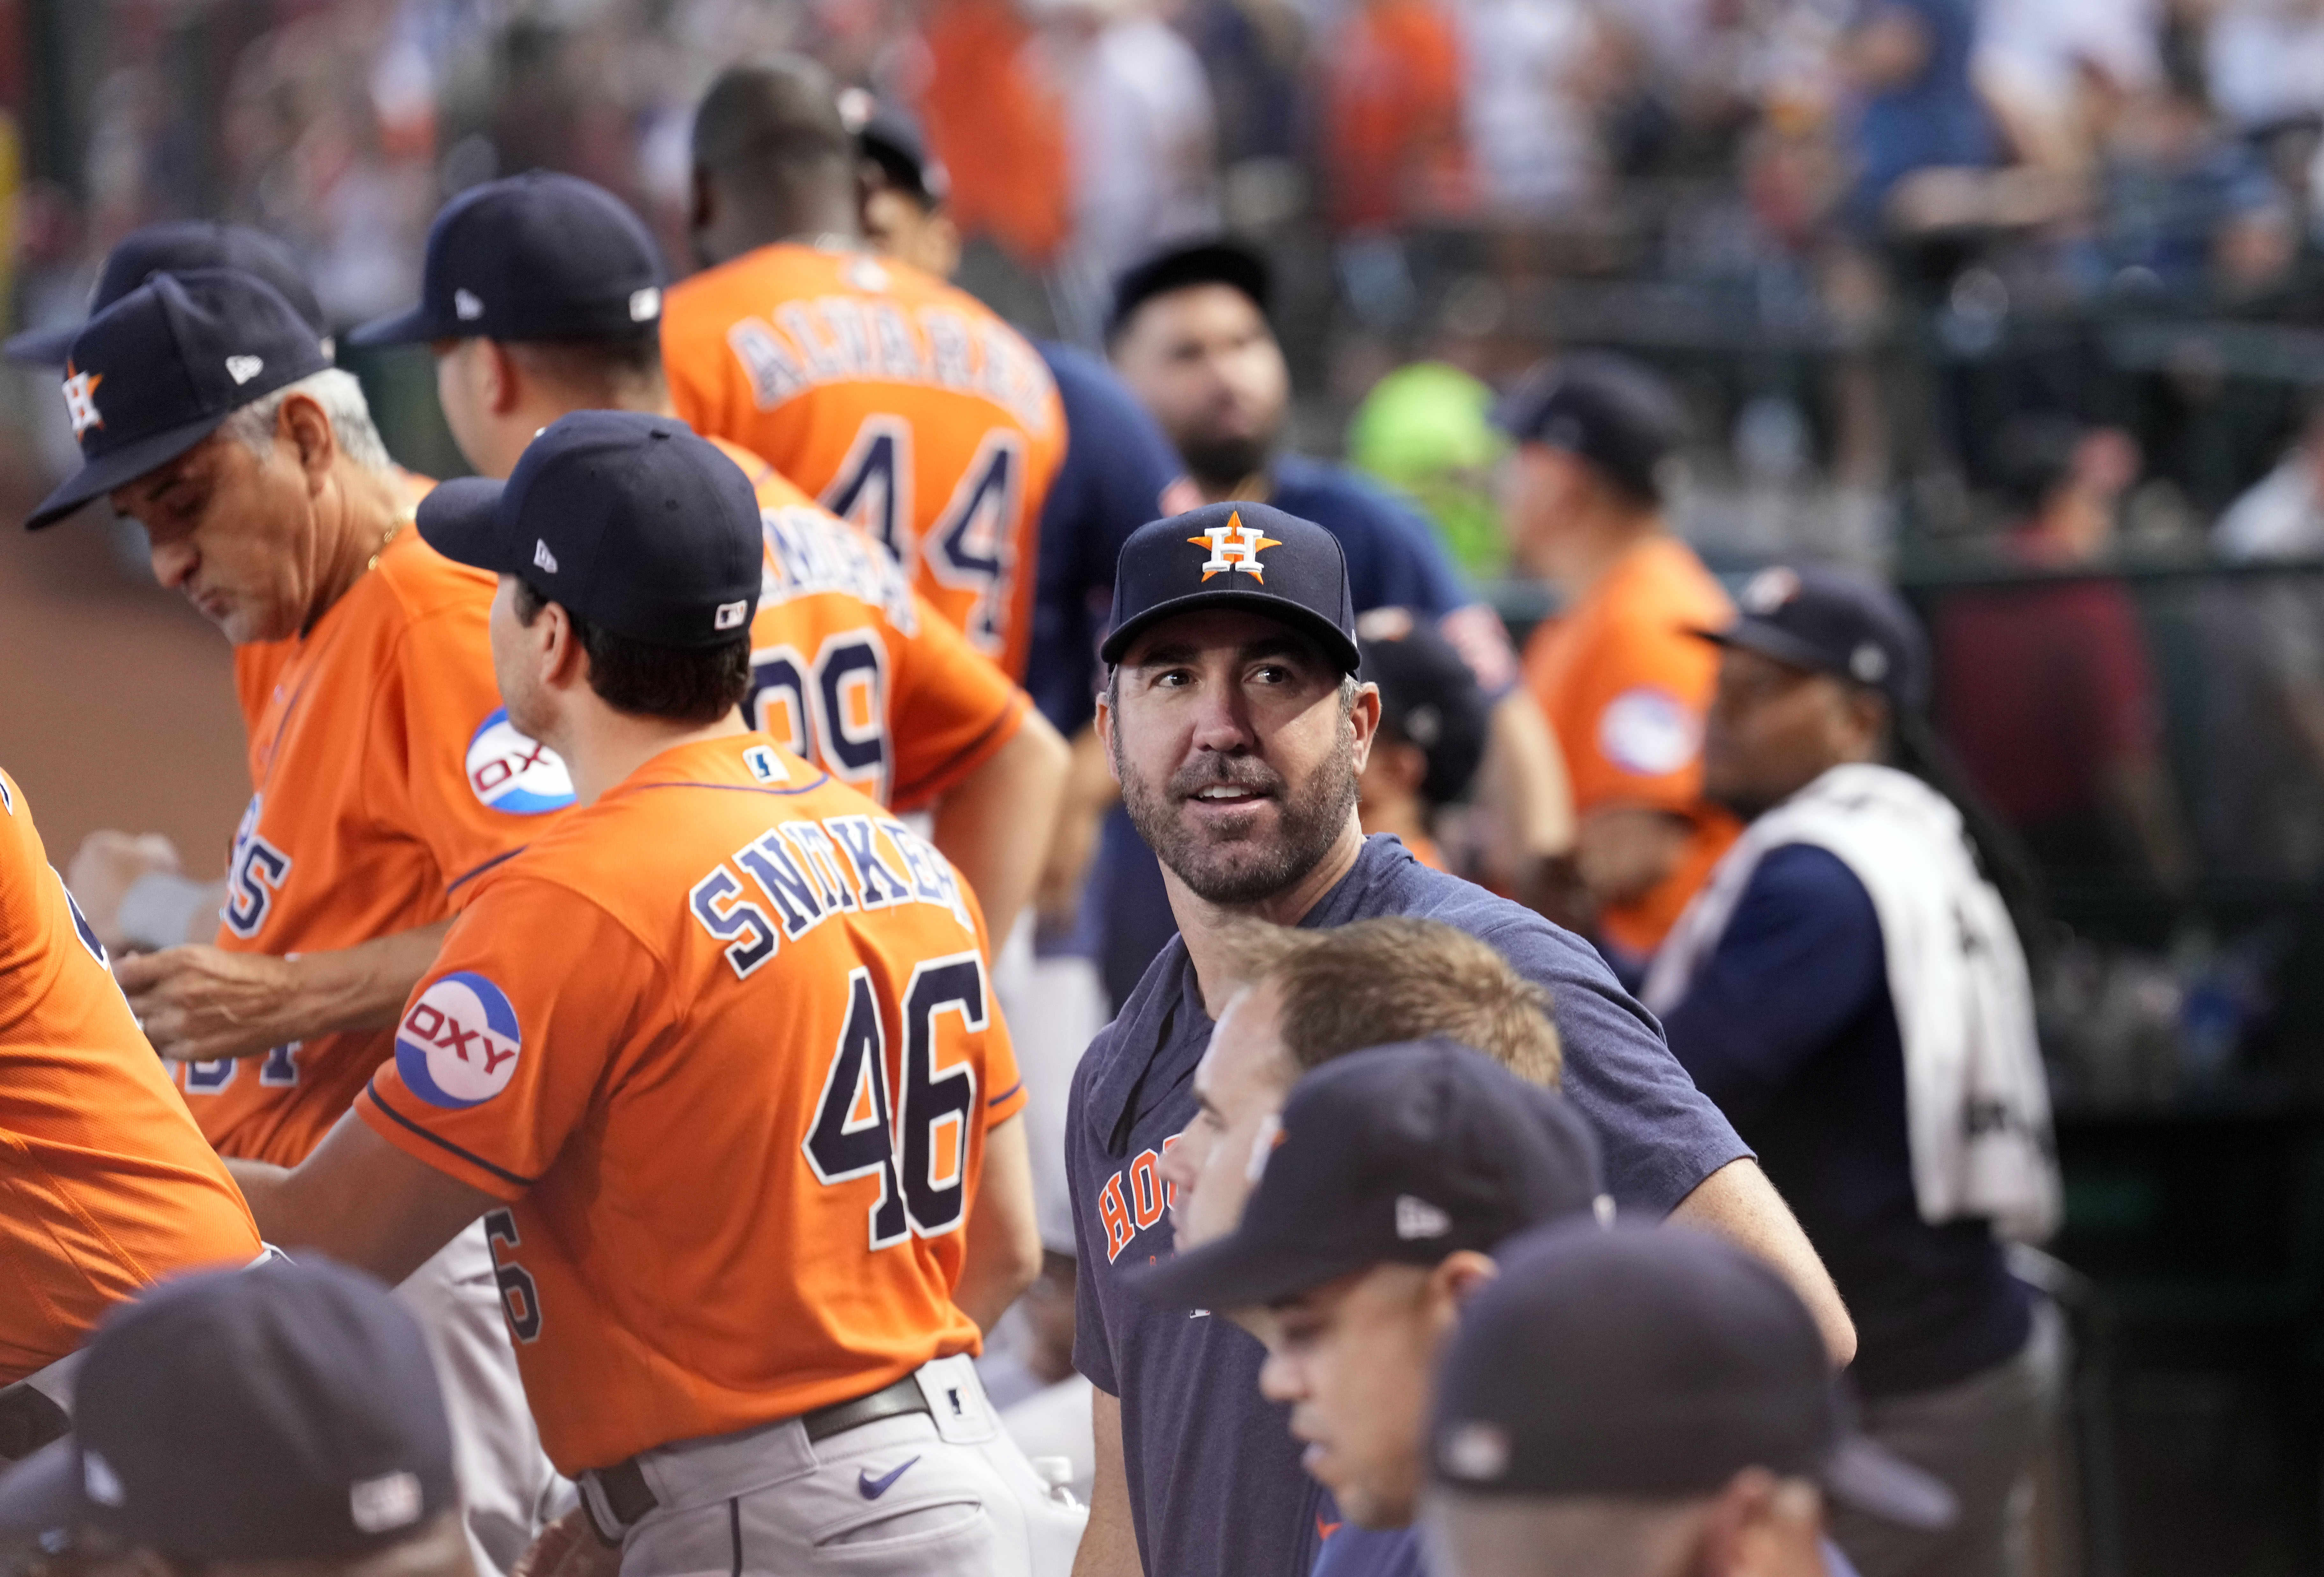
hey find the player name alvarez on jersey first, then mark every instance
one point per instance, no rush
(905, 406)
(385, 776)
(107, 1183)
(852, 668)
(728, 978)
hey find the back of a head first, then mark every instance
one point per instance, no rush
(1401, 978)
(280, 1418)
(771, 134)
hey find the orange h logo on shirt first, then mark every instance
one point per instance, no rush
(1232, 548)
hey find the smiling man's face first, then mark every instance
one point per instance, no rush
(1236, 752)
(232, 531)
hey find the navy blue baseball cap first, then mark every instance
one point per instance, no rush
(154, 373)
(1396, 1155)
(1651, 1362)
(535, 256)
(1219, 260)
(1429, 696)
(288, 1411)
(1248, 556)
(892, 139)
(1615, 413)
(1834, 622)
(628, 520)
(175, 248)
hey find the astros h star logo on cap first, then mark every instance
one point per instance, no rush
(1233, 549)
(81, 399)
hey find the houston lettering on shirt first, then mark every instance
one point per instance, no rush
(1135, 1198)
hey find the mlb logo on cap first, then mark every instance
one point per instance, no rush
(1234, 548)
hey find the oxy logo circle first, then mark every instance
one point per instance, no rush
(458, 1045)
(511, 773)
(1649, 732)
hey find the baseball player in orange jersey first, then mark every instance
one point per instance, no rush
(719, 1053)
(850, 668)
(384, 774)
(906, 406)
(104, 1182)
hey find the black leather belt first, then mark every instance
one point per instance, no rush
(629, 1497)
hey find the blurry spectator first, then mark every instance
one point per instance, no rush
(285, 1418)
(996, 117)
(1909, 63)
(2037, 58)
(2265, 60)
(1623, 684)
(2263, 807)
(1392, 1177)
(1850, 989)
(1640, 1404)
(1392, 106)
(2180, 200)
(1432, 731)
(1427, 431)
(1142, 143)
(1253, 51)
(2045, 688)
(1190, 335)
(1535, 73)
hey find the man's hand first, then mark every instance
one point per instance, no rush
(569, 1548)
(1623, 852)
(102, 870)
(199, 1003)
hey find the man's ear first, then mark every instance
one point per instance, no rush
(1459, 1277)
(1761, 1526)
(504, 378)
(301, 424)
(1105, 721)
(1363, 718)
(567, 664)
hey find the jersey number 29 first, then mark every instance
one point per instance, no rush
(916, 1141)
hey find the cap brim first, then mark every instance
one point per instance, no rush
(40, 347)
(460, 520)
(1768, 640)
(1337, 644)
(1234, 1272)
(122, 466)
(412, 328)
(41, 1494)
(1878, 1482)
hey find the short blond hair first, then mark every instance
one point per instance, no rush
(1398, 978)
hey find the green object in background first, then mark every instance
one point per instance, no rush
(1426, 429)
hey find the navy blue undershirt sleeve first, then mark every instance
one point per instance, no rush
(1116, 468)
(1800, 958)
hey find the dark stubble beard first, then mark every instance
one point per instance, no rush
(1234, 871)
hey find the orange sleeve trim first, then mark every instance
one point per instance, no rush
(434, 1150)
(1003, 728)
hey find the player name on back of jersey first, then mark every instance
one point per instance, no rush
(809, 552)
(845, 339)
(799, 874)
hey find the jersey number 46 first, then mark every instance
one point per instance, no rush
(917, 1142)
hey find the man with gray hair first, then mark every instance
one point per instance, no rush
(384, 772)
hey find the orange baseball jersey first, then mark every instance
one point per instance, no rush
(904, 405)
(385, 776)
(257, 664)
(725, 1040)
(853, 669)
(1625, 688)
(104, 1182)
